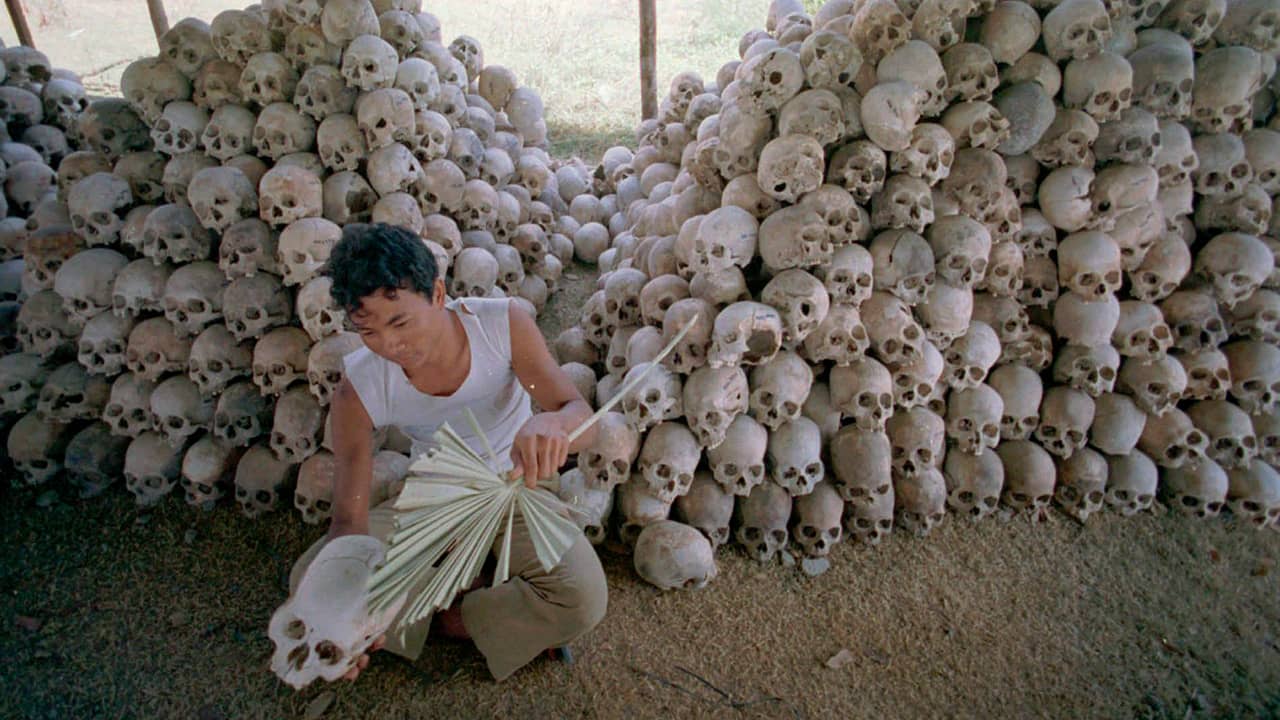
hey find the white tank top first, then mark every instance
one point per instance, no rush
(491, 390)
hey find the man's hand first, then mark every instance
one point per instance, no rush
(363, 661)
(540, 449)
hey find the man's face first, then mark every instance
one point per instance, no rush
(400, 325)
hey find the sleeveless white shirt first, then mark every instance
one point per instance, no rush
(491, 390)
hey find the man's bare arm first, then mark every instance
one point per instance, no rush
(353, 462)
(549, 386)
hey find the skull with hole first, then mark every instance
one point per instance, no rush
(1142, 332)
(801, 299)
(222, 196)
(976, 124)
(761, 518)
(707, 508)
(928, 155)
(248, 247)
(385, 116)
(745, 332)
(94, 459)
(340, 143)
(903, 265)
(1065, 418)
(767, 81)
(790, 166)
(889, 113)
(1162, 269)
(369, 63)
(297, 425)
(1131, 483)
(903, 202)
(895, 335)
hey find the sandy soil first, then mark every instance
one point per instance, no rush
(108, 611)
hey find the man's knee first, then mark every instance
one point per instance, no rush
(586, 594)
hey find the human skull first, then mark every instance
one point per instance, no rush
(128, 408)
(297, 425)
(151, 468)
(97, 205)
(973, 418)
(974, 483)
(217, 360)
(85, 282)
(173, 233)
(1021, 391)
(101, 347)
(260, 480)
(193, 296)
(279, 358)
(94, 459)
(242, 415)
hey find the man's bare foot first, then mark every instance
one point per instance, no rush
(363, 661)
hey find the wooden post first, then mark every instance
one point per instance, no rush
(159, 22)
(19, 19)
(648, 59)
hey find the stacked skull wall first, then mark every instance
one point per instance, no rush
(950, 253)
(175, 330)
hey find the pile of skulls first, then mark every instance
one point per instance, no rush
(175, 329)
(986, 256)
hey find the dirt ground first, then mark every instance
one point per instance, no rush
(108, 611)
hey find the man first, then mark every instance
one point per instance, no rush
(425, 362)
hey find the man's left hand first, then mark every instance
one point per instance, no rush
(540, 449)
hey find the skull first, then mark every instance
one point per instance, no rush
(656, 398)
(815, 523)
(179, 409)
(1194, 318)
(207, 470)
(316, 309)
(128, 408)
(1236, 265)
(1226, 80)
(216, 83)
(151, 468)
(279, 358)
(929, 154)
(1085, 322)
(297, 425)
(1021, 392)
(97, 205)
(1255, 375)
(1208, 374)
(1076, 29)
(638, 507)
(973, 418)
(890, 112)
(976, 124)
(248, 247)
(25, 375)
(36, 448)
(974, 483)
(1131, 483)
(1091, 369)
(260, 480)
(238, 35)
(904, 202)
(921, 501)
(1029, 475)
(1101, 85)
(607, 463)
(761, 519)
(1172, 440)
(94, 459)
(172, 233)
(918, 438)
(779, 388)
(1082, 482)
(325, 366)
(217, 360)
(242, 415)
(848, 279)
(1231, 439)
(879, 28)
(149, 84)
(101, 346)
(712, 397)
(895, 335)
(1254, 494)
(860, 167)
(1162, 269)
(369, 63)
(281, 130)
(193, 296)
(1006, 269)
(85, 280)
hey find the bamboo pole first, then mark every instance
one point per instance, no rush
(159, 21)
(648, 59)
(19, 18)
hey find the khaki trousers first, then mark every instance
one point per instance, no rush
(513, 622)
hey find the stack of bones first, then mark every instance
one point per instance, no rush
(966, 254)
(163, 315)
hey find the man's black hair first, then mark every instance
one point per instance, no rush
(377, 257)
